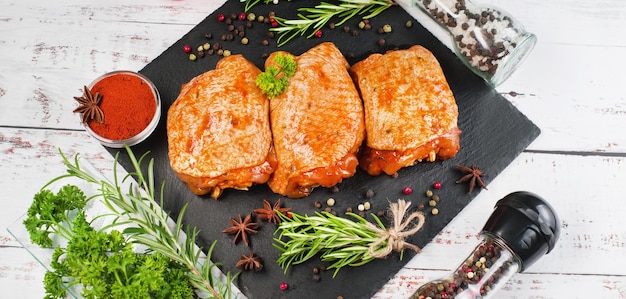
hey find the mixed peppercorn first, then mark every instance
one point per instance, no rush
(239, 24)
(477, 275)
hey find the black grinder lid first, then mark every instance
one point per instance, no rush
(527, 224)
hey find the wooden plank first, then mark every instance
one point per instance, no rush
(20, 275)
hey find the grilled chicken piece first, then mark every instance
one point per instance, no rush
(218, 130)
(410, 111)
(317, 124)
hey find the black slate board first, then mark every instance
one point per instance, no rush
(494, 133)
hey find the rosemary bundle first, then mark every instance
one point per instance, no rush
(344, 242)
(138, 211)
(312, 19)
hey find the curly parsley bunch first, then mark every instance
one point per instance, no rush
(103, 263)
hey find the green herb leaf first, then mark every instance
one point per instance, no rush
(49, 213)
(275, 79)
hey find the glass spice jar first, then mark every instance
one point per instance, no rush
(522, 228)
(488, 40)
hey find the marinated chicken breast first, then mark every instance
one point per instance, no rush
(410, 111)
(317, 124)
(218, 130)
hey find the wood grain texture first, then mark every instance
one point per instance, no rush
(571, 87)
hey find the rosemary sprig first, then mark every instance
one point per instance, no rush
(251, 3)
(339, 240)
(148, 224)
(312, 19)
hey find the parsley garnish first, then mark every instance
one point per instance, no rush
(275, 79)
(49, 213)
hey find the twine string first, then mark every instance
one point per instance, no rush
(395, 235)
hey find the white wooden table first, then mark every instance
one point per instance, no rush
(572, 87)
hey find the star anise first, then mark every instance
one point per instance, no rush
(89, 106)
(472, 174)
(250, 262)
(269, 213)
(242, 228)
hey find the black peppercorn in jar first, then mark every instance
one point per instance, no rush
(488, 40)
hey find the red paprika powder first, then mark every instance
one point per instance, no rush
(128, 103)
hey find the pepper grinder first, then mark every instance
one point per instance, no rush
(522, 228)
(488, 40)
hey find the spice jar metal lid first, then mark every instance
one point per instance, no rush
(150, 127)
(527, 224)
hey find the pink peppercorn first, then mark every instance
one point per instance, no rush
(221, 17)
(318, 33)
(284, 286)
(187, 49)
(407, 190)
(437, 185)
(242, 16)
